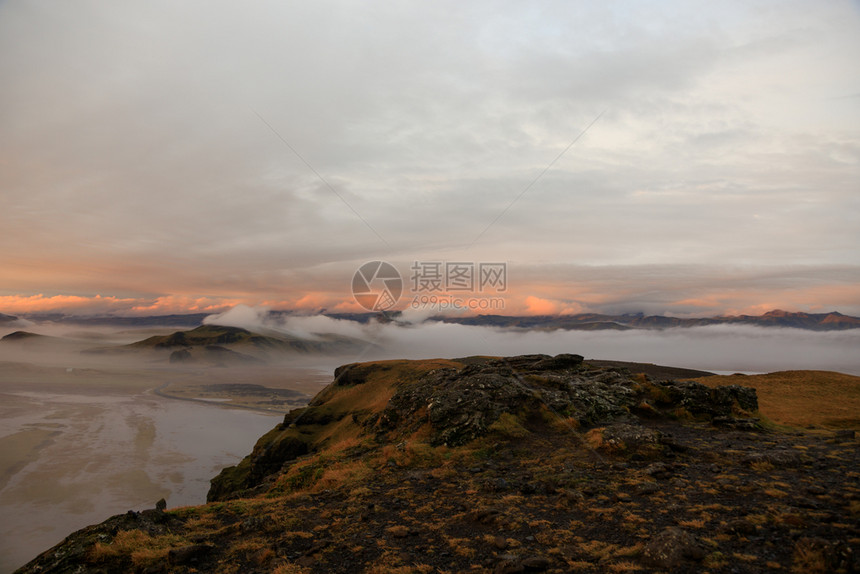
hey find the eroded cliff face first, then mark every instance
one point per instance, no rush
(452, 402)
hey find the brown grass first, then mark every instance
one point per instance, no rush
(596, 439)
(808, 558)
(460, 546)
(802, 398)
(342, 474)
(762, 466)
(143, 548)
(371, 396)
(745, 557)
(715, 560)
(254, 550)
(507, 425)
(624, 567)
(398, 530)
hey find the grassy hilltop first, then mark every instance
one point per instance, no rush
(520, 464)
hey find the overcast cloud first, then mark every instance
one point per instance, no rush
(137, 161)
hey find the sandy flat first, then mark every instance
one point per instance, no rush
(22, 448)
(77, 447)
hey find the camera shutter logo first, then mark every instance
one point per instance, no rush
(377, 286)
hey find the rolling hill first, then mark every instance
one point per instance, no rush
(235, 344)
(19, 336)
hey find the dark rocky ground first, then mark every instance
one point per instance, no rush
(525, 464)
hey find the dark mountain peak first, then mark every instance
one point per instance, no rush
(781, 313)
(22, 336)
(200, 336)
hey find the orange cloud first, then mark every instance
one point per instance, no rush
(313, 301)
(98, 304)
(538, 306)
(41, 303)
(570, 297)
(572, 309)
(163, 305)
(180, 304)
(557, 295)
(349, 306)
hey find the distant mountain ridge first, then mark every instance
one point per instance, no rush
(832, 321)
(176, 320)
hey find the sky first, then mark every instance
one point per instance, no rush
(682, 158)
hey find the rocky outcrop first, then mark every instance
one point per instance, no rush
(461, 404)
(467, 398)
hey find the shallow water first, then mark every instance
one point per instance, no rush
(69, 460)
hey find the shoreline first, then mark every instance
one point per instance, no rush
(159, 392)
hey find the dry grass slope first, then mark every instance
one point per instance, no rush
(802, 398)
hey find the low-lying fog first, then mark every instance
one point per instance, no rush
(82, 436)
(723, 348)
(717, 348)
